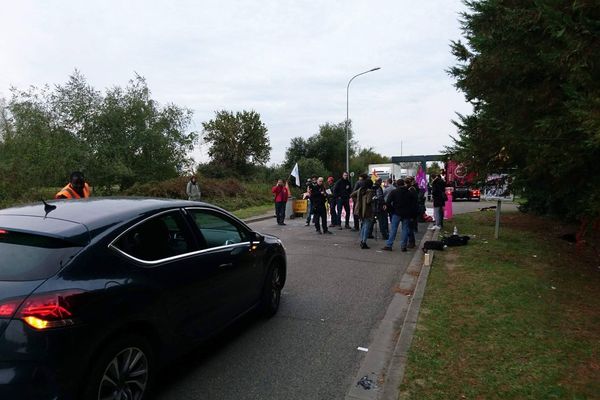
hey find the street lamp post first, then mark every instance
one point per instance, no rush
(347, 116)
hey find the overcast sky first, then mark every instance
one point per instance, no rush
(288, 60)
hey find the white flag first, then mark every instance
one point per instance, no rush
(296, 174)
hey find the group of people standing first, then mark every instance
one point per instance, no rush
(390, 204)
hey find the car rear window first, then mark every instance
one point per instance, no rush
(25, 256)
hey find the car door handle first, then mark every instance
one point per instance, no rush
(226, 265)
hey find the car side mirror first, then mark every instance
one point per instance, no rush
(257, 237)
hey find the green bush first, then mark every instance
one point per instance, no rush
(230, 194)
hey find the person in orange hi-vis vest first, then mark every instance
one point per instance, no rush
(76, 189)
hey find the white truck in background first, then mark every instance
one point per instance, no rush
(394, 171)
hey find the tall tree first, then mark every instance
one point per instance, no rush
(296, 151)
(360, 162)
(237, 140)
(118, 138)
(328, 146)
(138, 139)
(434, 169)
(530, 70)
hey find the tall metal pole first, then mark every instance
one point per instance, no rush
(497, 228)
(347, 116)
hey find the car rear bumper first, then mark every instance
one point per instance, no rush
(31, 381)
(40, 366)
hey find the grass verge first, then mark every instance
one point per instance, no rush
(254, 211)
(517, 317)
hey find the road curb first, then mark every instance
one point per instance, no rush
(383, 366)
(259, 218)
(397, 366)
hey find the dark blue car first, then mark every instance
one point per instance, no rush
(96, 294)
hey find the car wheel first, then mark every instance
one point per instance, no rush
(271, 296)
(123, 371)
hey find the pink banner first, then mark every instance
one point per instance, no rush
(421, 179)
(448, 205)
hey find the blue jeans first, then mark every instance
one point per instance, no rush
(309, 211)
(393, 230)
(365, 229)
(396, 220)
(406, 231)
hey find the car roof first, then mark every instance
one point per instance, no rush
(96, 213)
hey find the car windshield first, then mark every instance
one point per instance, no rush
(25, 256)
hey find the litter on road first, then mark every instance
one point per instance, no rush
(366, 383)
(362, 349)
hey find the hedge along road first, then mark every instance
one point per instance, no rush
(335, 295)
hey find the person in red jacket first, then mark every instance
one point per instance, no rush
(76, 189)
(281, 192)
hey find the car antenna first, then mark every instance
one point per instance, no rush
(48, 208)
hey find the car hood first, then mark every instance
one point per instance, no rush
(15, 289)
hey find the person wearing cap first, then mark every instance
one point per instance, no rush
(77, 188)
(331, 201)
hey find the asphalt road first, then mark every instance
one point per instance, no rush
(335, 295)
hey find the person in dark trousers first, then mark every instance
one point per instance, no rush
(77, 188)
(309, 210)
(414, 223)
(364, 199)
(422, 208)
(331, 201)
(341, 192)
(356, 217)
(281, 192)
(318, 197)
(380, 209)
(438, 192)
(402, 206)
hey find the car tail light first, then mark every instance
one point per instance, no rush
(43, 311)
(8, 309)
(476, 192)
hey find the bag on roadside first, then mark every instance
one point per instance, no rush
(456, 240)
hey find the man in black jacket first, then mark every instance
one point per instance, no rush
(318, 197)
(341, 193)
(402, 205)
(438, 192)
(414, 223)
